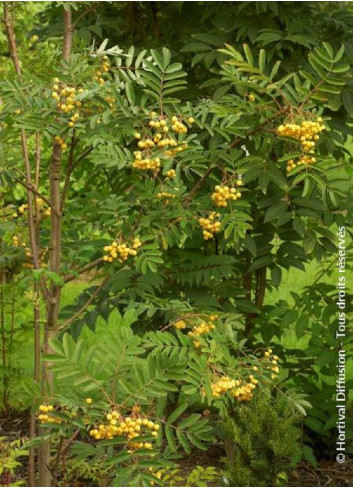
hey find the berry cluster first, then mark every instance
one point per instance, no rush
(141, 163)
(222, 385)
(44, 417)
(111, 101)
(165, 195)
(104, 68)
(65, 97)
(210, 225)
(271, 363)
(121, 251)
(20, 210)
(180, 324)
(244, 391)
(172, 152)
(223, 193)
(44, 211)
(130, 427)
(16, 241)
(61, 141)
(66, 104)
(73, 119)
(178, 126)
(303, 160)
(157, 474)
(239, 389)
(156, 138)
(28, 254)
(202, 328)
(307, 132)
(171, 173)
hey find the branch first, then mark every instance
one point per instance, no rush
(235, 143)
(85, 268)
(37, 163)
(71, 165)
(260, 287)
(85, 306)
(80, 17)
(36, 186)
(258, 128)
(30, 187)
(69, 170)
(197, 186)
(68, 30)
(31, 221)
(11, 38)
(56, 218)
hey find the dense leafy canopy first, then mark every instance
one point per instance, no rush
(182, 171)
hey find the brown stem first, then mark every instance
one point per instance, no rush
(85, 268)
(55, 466)
(260, 287)
(31, 454)
(197, 186)
(31, 188)
(71, 165)
(69, 170)
(31, 219)
(82, 15)
(11, 38)
(51, 326)
(229, 447)
(68, 30)
(3, 338)
(36, 316)
(36, 377)
(155, 23)
(258, 128)
(247, 287)
(55, 235)
(37, 161)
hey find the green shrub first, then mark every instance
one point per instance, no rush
(261, 439)
(10, 452)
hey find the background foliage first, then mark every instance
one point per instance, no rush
(238, 73)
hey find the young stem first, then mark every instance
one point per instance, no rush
(3, 339)
(53, 304)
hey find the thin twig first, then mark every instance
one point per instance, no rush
(81, 16)
(258, 128)
(30, 187)
(31, 223)
(85, 268)
(198, 185)
(37, 161)
(85, 306)
(71, 165)
(235, 143)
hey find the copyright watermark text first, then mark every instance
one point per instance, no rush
(341, 360)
